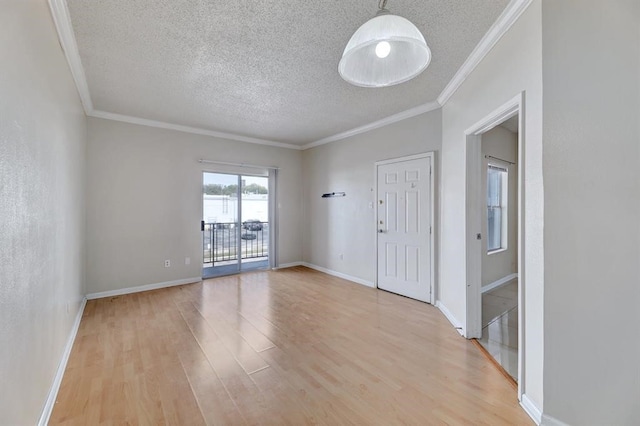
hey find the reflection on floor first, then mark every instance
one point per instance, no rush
(500, 326)
(219, 271)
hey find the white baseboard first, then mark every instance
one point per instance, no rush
(498, 283)
(62, 366)
(146, 287)
(547, 420)
(531, 409)
(453, 320)
(340, 275)
(287, 265)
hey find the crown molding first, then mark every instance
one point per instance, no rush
(506, 19)
(62, 21)
(420, 109)
(188, 129)
(504, 22)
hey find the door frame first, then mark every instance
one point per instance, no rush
(431, 157)
(474, 206)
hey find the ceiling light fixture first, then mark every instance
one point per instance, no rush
(386, 50)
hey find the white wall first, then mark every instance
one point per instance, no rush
(513, 66)
(144, 202)
(501, 143)
(334, 226)
(42, 176)
(591, 75)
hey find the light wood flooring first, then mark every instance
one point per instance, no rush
(293, 347)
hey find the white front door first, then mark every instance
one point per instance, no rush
(404, 227)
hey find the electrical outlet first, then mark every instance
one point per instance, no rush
(341, 256)
(187, 261)
(167, 263)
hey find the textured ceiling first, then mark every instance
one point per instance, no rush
(259, 68)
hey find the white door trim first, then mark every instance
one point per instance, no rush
(473, 326)
(431, 156)
(401, 159)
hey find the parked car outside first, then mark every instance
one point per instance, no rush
(252, 225)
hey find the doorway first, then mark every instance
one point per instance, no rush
(235, 223)
(499, 264)
(495, 239)
(404, 222)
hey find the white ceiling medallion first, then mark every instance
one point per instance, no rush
(386, 50)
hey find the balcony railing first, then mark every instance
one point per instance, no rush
(220, 241)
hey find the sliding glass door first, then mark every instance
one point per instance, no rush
(254, 239)
(235, 223)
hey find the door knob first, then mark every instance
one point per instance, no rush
(380, 231)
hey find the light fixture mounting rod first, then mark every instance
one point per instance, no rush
(382, 8)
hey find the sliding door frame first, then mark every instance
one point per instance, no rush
(271, 173)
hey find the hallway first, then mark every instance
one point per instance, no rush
(500, 326)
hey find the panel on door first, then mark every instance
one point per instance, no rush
(404, 233)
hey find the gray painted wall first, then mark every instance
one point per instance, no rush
(42, 217)
(591, 75)
(334, 226)
(144, 202)
(513, 66)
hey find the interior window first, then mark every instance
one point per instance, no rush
(496, 208)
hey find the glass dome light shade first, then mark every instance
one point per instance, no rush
(408, 57)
